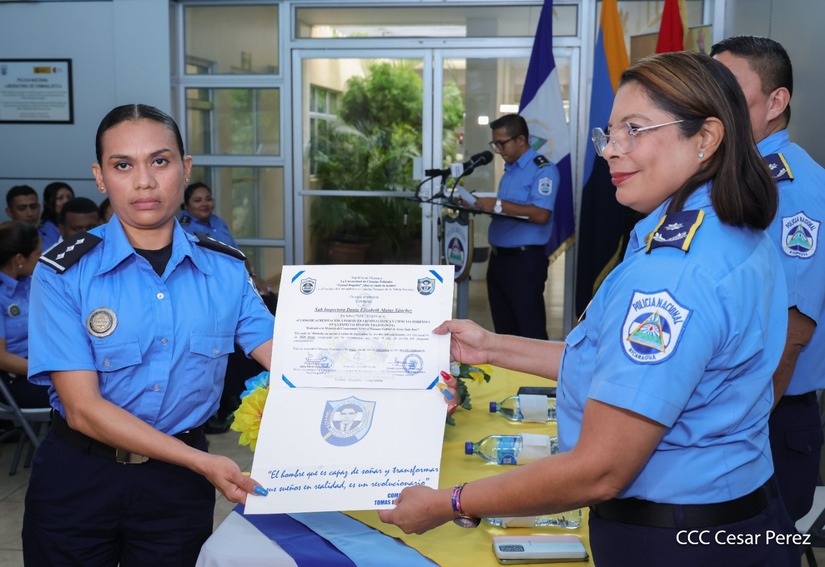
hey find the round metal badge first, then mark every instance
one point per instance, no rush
(13, 310)
(101, 322)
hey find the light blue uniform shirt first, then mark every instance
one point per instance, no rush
(720, 313)
(215, 228)
(49, 234)
(14, 303)
(164, 360)
(795, 231)
(525, 183)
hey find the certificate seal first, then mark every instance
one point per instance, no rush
(101, 322)
(412, 364)
(345, 422)
(307, 286)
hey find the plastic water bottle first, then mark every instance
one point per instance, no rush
(513, 449)
(571, 519)
(526, 407)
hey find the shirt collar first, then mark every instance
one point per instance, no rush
(117, 246)
(699, 199)
(774, 143)
(522, 161)
(8, 284)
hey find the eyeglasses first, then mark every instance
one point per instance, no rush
(623, 140)
(498, 145)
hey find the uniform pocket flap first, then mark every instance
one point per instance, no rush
(212, 345)
(111, 357)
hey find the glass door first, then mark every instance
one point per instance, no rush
(367, 128)
(362, 124)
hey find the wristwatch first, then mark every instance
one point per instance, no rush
(461, 519)
(497, 208)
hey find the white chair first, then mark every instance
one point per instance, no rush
(28, 424)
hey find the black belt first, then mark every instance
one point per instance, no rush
(78, 440)
(515, 250)
(806, 399)
(685, 516)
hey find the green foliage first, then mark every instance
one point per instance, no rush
(371, 149)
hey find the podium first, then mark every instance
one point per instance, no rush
(455, 235)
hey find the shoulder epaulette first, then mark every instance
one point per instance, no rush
(185, 220)
(780, 169)
(66, 254)
(208, 242)
(541, 161)
(675, 230)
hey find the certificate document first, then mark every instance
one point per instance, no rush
(323, 450)
(353, 415)
(361, 326)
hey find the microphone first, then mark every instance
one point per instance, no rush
(467, 167)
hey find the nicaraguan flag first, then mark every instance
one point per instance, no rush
(542, 108)
(604, 224)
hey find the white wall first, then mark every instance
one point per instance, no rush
(120, 54)
(797, 25)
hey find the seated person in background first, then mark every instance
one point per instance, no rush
(22, 204)
(104, 211)
(55, 195)
(19, 251)
(78, 215)
(197, 216)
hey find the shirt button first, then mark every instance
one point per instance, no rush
(155, 387)
(215, 351)
(160, 296)
(107, 362)
(164, 341)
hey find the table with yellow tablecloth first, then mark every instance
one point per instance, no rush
(440, 544)
(234, 542)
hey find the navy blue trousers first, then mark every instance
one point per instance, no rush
(615, 544)
(515, 289)
(796, 444)
(88, 511)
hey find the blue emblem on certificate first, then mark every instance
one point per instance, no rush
(307, 286)
(426, 286)
(413, 364)
(346, 421)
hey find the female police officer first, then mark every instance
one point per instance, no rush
(665, 387)
(20, 246)
(134, 323)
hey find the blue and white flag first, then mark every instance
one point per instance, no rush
(604, 223)
(541, 106)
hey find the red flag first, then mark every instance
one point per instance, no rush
(672, 29)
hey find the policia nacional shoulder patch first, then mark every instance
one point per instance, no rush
(675, 230)
(208, 242)
(63, 256)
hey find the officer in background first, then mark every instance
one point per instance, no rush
(197, 215)
(22, 204)
(764, 72)
(135, 320)
(518, 264)
(78, 215)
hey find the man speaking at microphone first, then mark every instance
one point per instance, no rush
(520, 227)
